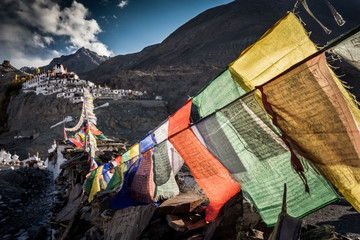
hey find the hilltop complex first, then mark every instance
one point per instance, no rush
(69, 85)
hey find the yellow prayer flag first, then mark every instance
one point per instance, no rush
(282, 46)
(134, 150)
(312, 113)
(96, 183)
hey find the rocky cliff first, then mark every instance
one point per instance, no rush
(30, 117)
(7, 74)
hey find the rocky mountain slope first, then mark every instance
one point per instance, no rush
(201, 48)
(82, 60)
(7, 74)
(31, 116)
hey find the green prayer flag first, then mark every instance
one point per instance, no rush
(126, 156)
(118, 177)
(220, 92)
(266, 160)
(90, 181)
(101, 136)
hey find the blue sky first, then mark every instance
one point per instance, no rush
(140, 23)
(35, 31)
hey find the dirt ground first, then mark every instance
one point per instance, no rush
(25, 202)
(341, 215)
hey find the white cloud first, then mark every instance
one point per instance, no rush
(24, 61)
(28, 28)
(41, 41)
(20, 59)
(123, 3)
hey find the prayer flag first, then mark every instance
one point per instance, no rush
(76, 142)
(118, 177)
(282, 46)
(161, 132)
(161, 135)
(106, 173)
(259, 160)
(89, 182)
(208, 172)
(147, 142)
(65, 136)
(143, 186)
(126, 156)
(220, 92)
(164, 178)
(134, 150)
(349, 49)
(95, 187)
(313, 114)
(123, 198)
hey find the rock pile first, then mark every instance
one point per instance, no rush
(27, 196)
(25, 200)
(180, 217)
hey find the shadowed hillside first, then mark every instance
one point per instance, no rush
(200, 49)
(81, 61)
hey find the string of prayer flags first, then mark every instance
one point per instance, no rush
(79, 123)
(262, 164)
(220, 92)
(94, 130)
(208, 172)
(87, 111)
(90, 121)
(91, 148)
(311, 111)
(88, 135)
(281, 47)
(143, 186)
(75, 142)
(349, 50)
(89, 107)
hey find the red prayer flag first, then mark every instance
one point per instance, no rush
(65, 136)
(208, 172)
